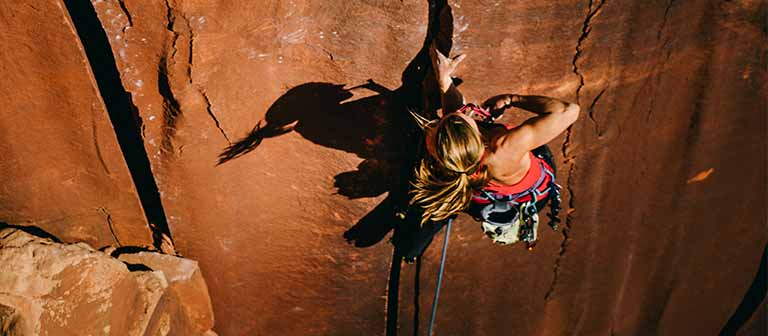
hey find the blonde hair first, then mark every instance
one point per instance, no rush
(444, 184)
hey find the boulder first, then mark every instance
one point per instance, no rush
(48, 288)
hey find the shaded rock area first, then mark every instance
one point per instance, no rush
(49, 288)
(274, 132)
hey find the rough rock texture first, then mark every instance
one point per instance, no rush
(672, 113)
(48, 288)
(61, 167)
(187, 291)
(273, 127)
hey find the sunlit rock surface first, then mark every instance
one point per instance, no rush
(61, 167)
(663, 174)
(48, 288)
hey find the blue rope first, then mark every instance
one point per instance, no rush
(439, 277)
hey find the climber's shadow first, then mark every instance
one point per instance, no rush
(321, 113)
(377, 128)
(374, 128)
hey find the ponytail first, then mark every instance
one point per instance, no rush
(444, 184)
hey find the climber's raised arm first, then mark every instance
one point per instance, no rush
(554, 117)
(444, 67)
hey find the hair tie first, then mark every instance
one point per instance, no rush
(462, 172)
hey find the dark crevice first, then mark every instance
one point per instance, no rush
(750, 304)
(566, 230)
(127, 14)
(651, 107)
(416, 296)
(108, 217)
(96, 144)
(567, 143)
(137, 267)
(169, 18)
(190, 48)
(33, 230)
(209, 109)
(585, 30)
(666, 17)
(128, 250)
(121, 112)
(171, 107)
(393, 294)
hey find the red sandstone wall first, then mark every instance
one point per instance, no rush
(669, 92)
(61, 168)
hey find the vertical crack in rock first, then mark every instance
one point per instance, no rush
(108, 216)
(659, 64)
(169, 18)
(190, 47)
(209, 108)
(96, 146)
(585, 30)
(570, 159)
(591, 111)
(127, 14)
(208, 105)
(171, 106)
(172, 17)
(664, 21)
(121, 111)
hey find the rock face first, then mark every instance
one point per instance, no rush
(62, 168)
(275, 127)
(47, 288)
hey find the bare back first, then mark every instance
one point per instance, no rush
(504, 167)
(507, 153)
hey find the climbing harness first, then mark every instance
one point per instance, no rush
(507, 219)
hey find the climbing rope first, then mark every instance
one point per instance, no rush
(439, 277)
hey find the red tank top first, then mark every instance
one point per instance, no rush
(532, 177)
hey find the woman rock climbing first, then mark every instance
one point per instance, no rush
(503, 176)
